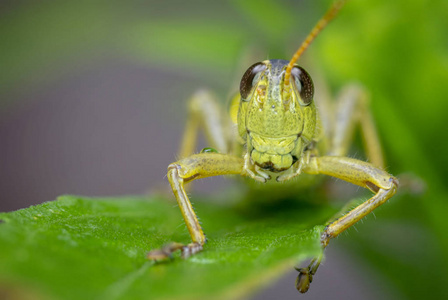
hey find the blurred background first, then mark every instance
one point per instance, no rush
(93, 101)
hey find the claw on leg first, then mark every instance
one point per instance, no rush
(303, 280)
(190, 250)
(166, 252)
(305, 276)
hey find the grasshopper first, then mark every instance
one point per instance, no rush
(280, 135)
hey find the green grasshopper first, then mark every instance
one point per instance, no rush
(279, 136)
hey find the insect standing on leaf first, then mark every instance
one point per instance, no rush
(279, 136)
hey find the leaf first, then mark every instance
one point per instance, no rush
(83, 248)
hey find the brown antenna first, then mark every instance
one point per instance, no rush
(331, 13)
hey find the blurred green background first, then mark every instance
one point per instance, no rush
(93, 97)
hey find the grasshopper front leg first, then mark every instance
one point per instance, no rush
(357, 172)
(186, 170)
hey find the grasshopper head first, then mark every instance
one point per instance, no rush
(277, 116)
(276, 124)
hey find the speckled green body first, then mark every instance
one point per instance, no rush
(279, 130)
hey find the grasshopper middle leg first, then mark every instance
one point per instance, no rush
(205, 112)
(352, 109)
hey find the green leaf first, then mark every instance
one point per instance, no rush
(81, 248)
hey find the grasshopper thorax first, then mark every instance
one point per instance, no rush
(276, 128)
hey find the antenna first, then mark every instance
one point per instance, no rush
(330, 14)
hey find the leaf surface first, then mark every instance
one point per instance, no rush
(81, 248)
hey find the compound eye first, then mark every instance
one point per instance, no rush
(247, 82)
(304, 84)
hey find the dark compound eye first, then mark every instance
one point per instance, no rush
(304, 84)
(246, 84)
